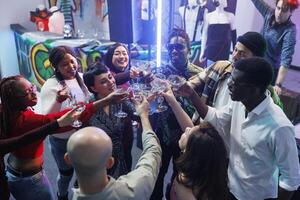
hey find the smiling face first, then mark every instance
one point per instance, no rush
(178, 51)
(68, 67)
(282, 12)
(104, 84)
(120, 58)
(240, 51)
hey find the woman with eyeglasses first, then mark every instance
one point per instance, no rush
(26, 177)
(65, 85)
(8, 145)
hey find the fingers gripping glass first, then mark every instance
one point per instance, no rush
(80, 107)
(121, 113)
(176, 81)
(177, 47)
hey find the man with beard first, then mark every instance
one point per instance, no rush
(263, 160)
(165, 124)
(212, 82)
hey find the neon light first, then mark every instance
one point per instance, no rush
(158, 33)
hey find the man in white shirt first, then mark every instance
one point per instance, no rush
(259, 136)
(89, 150)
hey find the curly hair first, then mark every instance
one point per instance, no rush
(178, 32)
(204, 164)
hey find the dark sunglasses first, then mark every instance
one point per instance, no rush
(177, 47)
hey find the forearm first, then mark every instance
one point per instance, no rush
(284, 194)
(122, 77)
(100, 103)
(281, 75)
(261, 6)
(145, 122)
(200, 106)
(182, 117)
(11, 144)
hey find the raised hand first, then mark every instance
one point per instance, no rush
(117, 97)
(68, 118)
(185, 90)
(142, 108)
(62, 94)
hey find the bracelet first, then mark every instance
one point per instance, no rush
(278, 85)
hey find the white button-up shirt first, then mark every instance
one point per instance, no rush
(260, 147)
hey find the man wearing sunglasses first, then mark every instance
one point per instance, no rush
(165, 123)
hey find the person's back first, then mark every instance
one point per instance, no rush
(92, 176)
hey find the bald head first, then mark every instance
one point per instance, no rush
(89, 149)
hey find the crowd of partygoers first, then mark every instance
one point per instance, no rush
(222, 125)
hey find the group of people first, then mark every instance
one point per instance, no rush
(224, 128)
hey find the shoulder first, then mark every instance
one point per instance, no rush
(194, 69)
(221, 66)
(50, 82)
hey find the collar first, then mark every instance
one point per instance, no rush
(262, 106)
(274, 24)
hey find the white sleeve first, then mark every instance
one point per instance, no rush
(48, 97)
(220, 119)
(286, 157)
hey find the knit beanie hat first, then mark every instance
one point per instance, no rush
(255, 42)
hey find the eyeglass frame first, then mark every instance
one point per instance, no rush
(32, 89)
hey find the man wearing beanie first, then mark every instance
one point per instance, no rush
(280, 35)
(212, 83)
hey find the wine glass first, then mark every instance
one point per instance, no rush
(121, 113)
(145, 69)
(149, 94)
(136, 91)
(80, 107)
(159, 85)
(176, 81)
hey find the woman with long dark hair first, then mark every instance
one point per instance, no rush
(11, 144)
(202, 168)
(26, 177)
(66, 83)
(117, 59)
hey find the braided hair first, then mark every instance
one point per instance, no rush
(11, 104)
